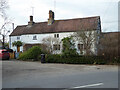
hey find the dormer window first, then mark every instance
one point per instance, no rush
(34, 37)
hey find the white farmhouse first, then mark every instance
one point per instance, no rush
(34, 33)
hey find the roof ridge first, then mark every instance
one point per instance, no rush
(70, 19)
(80, 18)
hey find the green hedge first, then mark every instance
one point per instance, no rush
(75, 59)
(32, 53)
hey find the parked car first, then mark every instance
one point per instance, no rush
(4, 54)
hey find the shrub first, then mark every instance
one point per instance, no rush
(53, 58)
(75, 59)
(32, 53)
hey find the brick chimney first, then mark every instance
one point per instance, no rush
(51, 17)
(31, 22)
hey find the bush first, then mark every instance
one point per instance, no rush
(75, 59)
(53, 58)
(32, 53)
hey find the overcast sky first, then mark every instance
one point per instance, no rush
(20, 10)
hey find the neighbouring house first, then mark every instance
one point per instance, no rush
(109, 44)
(34, 33)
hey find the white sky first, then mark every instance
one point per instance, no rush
(20, 10)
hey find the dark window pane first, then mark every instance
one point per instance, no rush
(4, 51)
(18, 38)
(56, 47)
(57, 35)
(80, 46)
(34, 37)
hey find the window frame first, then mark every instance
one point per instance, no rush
(56, 47)
(18, 37)
(56, 35)
(35, 37)
(80, 47)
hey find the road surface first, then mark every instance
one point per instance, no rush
(21, 74)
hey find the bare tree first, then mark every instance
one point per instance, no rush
(3, 15)
(49, 42)
(4, 19)
(88, 38)
(3, 7)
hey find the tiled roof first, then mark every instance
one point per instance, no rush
(69, 25)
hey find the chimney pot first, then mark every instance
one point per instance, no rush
(31, 18)
(31, 22)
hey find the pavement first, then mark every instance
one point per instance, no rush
(22, 74)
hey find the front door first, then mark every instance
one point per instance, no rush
(18, 48)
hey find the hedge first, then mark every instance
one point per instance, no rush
(76, 59)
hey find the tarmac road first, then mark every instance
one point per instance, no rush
(21, 74)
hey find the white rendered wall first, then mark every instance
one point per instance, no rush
(28, 39)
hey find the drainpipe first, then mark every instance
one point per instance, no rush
(10, 42)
